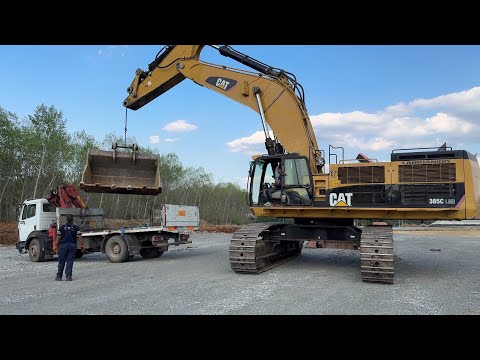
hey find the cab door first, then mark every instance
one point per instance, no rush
(297, 182)
(27, 221)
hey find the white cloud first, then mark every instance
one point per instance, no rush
(463, 101)
(399, 109)
(253, 144)
(357, 118)
(111, 50)
(453, 117)
(443, 123)
(180, 126)
(374, 144)
(154, 139)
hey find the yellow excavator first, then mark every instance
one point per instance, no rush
(421, 183)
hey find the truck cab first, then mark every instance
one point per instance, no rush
(34, 219)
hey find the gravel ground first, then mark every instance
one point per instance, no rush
(197, 279)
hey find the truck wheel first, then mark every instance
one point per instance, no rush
(116, 249)
(78, 254)
(35, 251)
(150, 253)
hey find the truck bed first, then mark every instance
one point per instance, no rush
(170, 218)
(135, 230)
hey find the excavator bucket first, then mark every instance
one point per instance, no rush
(121, 173)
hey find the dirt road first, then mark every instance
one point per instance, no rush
(197, 279)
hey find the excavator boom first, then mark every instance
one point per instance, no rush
(270, 93)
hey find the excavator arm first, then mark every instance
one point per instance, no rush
(271, 93)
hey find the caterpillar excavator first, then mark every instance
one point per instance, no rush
(422, 183)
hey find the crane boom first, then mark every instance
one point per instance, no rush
(65, 196)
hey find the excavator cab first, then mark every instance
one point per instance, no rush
(121, 172)
(295, 181)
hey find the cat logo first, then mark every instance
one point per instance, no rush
(341, 199)
(221, 83)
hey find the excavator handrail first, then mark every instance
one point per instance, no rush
(423, 148)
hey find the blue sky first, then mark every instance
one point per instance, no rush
(369, 99)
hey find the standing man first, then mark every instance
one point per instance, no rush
(66, 243)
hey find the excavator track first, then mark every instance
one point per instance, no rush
(250, 253)
(376, 253)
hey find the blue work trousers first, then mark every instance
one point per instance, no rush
(66, 253)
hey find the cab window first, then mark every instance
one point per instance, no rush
(49, 208)
(296, 172)
(296, 182)
(257, 181)
(29, 211)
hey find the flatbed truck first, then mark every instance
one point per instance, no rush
(38, 221)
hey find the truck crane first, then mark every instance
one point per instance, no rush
(65, 196)
(422, 183)
(38, 220)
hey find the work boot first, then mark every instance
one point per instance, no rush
(58, 277)
(69, 278)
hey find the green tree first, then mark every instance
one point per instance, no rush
(9, 165)
(79, 145)
(48, 147)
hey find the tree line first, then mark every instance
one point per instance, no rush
(38, 153)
